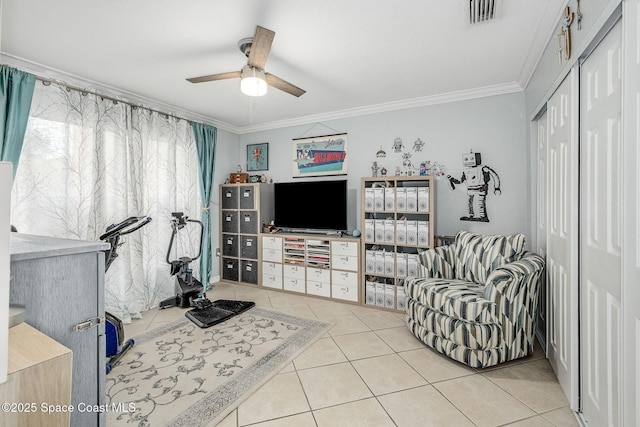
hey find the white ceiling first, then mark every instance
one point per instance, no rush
(351, 56)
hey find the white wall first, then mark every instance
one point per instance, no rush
(226, 154)
(494, 126)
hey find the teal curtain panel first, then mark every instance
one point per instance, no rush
(205, 137)
(16, 92)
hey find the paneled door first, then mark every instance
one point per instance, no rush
(562, 237)
(601, 232)
(541, 223)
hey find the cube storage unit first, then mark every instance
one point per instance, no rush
(319, 266)
(398, 223)
(243, 210)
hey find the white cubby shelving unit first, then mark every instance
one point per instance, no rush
(398, 223)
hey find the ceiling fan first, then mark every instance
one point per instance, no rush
(254, 79)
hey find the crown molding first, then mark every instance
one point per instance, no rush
(388, 106)
(59, 76)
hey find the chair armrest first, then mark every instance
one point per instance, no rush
(438, 262)
(515, 283)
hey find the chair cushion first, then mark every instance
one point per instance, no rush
(476, 336)
(456, 298)
(477, 256)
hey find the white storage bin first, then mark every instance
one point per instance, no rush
(322, 289)
(272, 281)
(294, 271)
(295, 285)
(339, 247)
(348, 293)
(272, 242)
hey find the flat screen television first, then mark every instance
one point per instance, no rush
(311, 205)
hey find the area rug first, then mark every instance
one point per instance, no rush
(182, 375)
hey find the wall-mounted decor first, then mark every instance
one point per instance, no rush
(417, 145)
(320, 156)
(478, 177)
(258, 157)
(397, 145)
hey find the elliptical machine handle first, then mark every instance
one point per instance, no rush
(176, 227)
(201, 237)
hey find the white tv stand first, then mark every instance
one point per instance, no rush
(311, 264)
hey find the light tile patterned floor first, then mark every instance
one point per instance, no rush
(370, 371)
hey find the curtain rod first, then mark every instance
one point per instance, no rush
(47, 82)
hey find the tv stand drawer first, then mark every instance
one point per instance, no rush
(349, 293)
(343, 262)
(344, 248)
(271, 242)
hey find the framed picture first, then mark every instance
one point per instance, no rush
(320, 156)
(258, 157)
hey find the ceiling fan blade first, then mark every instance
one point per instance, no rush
(212, 77)
(260, 47)
(283, 85)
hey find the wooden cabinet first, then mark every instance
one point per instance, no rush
(244, 208)
(60, 282)
(398, 223)
(326, 267)
(39, 378)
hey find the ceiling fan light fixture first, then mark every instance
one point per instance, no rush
(253, 81)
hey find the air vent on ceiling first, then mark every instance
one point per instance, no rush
(482, 10)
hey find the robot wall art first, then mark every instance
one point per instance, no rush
(477, 178)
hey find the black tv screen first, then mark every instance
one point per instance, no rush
(313, 205)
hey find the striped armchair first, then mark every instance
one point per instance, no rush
(476, 299)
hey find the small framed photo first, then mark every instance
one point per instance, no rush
(258, 157)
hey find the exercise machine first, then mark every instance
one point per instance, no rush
(114, 329)
(189, 290)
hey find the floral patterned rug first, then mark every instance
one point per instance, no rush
(182, 375)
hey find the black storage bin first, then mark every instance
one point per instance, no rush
(247, 198)
(230, 269)
(230, 198)
(229, 222)
(248, 222)
(249, 247)
(249, 271)
(230, 245)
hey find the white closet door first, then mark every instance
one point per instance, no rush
(541, 221)
(562, 235)
(631, 216)
(601, 231)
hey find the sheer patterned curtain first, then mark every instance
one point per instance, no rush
(89, 162)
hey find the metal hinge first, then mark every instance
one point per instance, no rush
(88, 324)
